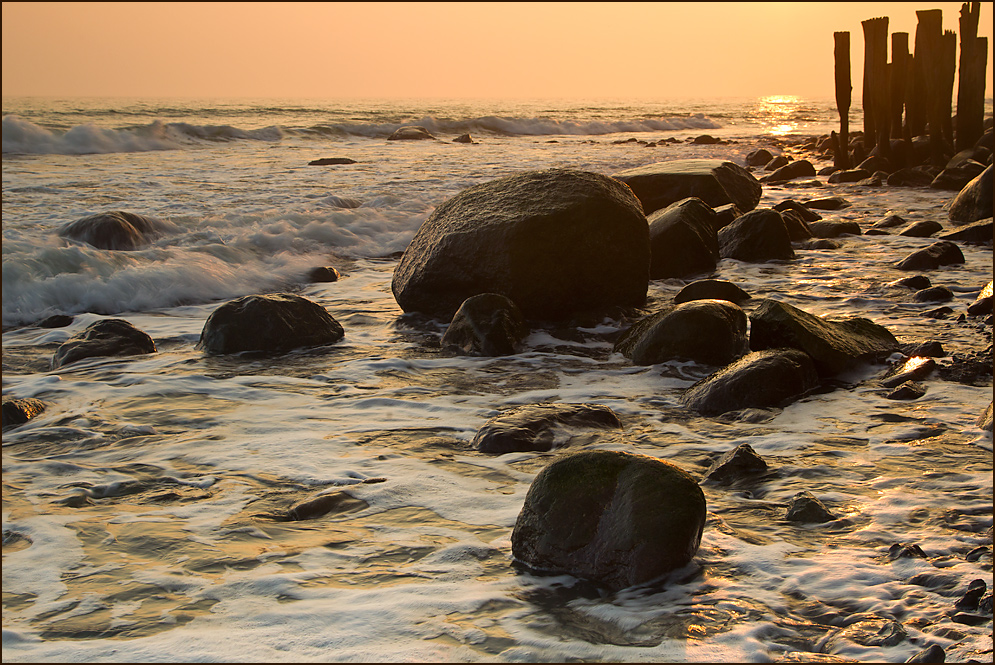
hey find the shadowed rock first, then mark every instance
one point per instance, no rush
(531, 427)
(974, 202)
(272, 323)
(807, 214)
(410, 133)
(116, 229)
(323, 274)
(985, 419)
(614, 518)
(740, 463)
(762, 379)
(976, 233)
(107, 337)
(706, 331)
(805, 507)
(555, 242)
(982, 305)
(759, 157)
(908, 390)
(331, 161)
(940, 253)
(922, 229)
(833, 229)
(834, 346)
(488, 324)
(827, 203)
(790, 171)
(714, 181)
(682, 239)
(957, 177)
(712, 289)
(19, 411)
(933, 294)
(756, 237)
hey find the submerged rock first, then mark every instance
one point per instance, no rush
(531, 427)
(712, 289)
(908, 390)
(805, 507)
(790, 171)
(464, 138)
(487, 324)
(940, 253)
(107, 337)
(762, 379)
(682, 239)
(706, 331)
(555, 242)
(759, 157)
(933, 294)
(834, 229)
(331, 161)
(834, 346)
(740, 463)
(714, 181)
(922, 229)
(323, 274)
(17, 411)
(827, 203)
(272, 323)
(614, 518)
(116, 230)
(756, 237)
(985, 419)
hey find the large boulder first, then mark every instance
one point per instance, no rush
(975, 233)
(955, 178)
(940, 253)
(834, 346)
(714, 181)
(974, 202)
(271, 323)
(410, 133)
(488, 324)
(532, 427)
(682, 239)
(759, 380)
(107, 337)
(705, 331)
(756, 237)
(116, 230)
(615, 518)
(712, 289)
(556, 242)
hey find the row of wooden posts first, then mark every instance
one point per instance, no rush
(920, 84)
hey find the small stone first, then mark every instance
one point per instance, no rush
(740, 462)
(805, 507)
(907, 391)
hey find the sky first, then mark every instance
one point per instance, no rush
(447, 50)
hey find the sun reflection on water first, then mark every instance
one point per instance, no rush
(779, 113)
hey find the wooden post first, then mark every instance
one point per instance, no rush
(841, 52)
(928, 62)
(948, 68)
(899, 70)
(928, 34)
(971, 84)
(875, 101)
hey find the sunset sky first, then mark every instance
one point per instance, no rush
(441, 50)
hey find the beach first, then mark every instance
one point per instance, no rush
(138, 507)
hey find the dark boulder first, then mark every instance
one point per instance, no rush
(798, 228)
(532, 427)
(940, 253)
(890, 221)
(756, 237)
(337, 502)
(790, 171)
(974, 202)
(916, 282)
(107, 337)
(776, 163)
(19, 411)
(410, 133)
(915, 368)
(714, 181)
(555, 242)
(705, 331)
(982, 305)
(821, 243)
(875, 163)
(850, 175)
(271, 323)
(761, 379)
(740, 463)
(834, 346)
(614, 518)
(725, 214)
(682, 239)
(805, 507)
(711, 289)
(909, 390)
(922, 229)
(827, 203)
(976, 233)
(488, 324)
(759, 157)
(706, 139)
(910, 177)
(956, 178)
(331, 161)
(933, 294)
(807, 214)
(934, 653)
(116, 230)
(55, 321)
(930, 349)
(323, 274)
(833, 228)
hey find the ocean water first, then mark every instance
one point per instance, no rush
(136, 507)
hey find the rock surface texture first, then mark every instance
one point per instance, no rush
(271, 323)
(107, 337)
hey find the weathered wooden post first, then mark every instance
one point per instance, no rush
(928, 62)
(877, 110)
(928, 33)
(899, 71)
(841, 52)
(948, 68)
(972, 81)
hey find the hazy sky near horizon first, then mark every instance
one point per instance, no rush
(442, 50)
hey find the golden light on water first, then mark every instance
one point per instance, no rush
(778, 113)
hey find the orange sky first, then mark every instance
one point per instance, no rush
(441, 50)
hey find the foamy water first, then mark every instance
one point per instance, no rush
(135, 508)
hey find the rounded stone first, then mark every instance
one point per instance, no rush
(272, 323)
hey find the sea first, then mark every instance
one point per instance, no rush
(138, 507)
